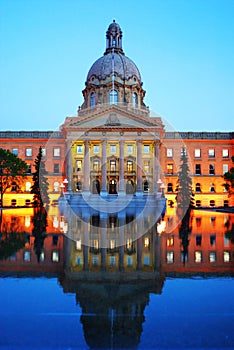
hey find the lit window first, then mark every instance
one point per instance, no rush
(56, 152)
(226, 256)
(113, 148)
(129, 166)
(170, 241)
(169, 152)
(43, 152)
(28, 152)
(27, 255)
(197, 153)
(146, 166)
(113, 165)
(92, 99)
(96, 149)
(55, 256)
(212, 256)
(96, 243)
(28, 186)
(78, 244)
(134, 99)
(170, 169)
(113, 97)
(129, 243)
(146, 242)
(56, 186)
(129, 261)
(146, 260)
(129, 149)
(112, 244)
(170, 257)
(96, 165)
(79, 165)
(198, 256)
(55, 222)
(211, 169)
(146, 149)
(15, 151)
(211, 153)
(79, 148)
(198, 169)
(225, 168)
(225, 153)
(27, 221)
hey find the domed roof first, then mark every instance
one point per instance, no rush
(122, 66)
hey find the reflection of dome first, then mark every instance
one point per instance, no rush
(123, 67)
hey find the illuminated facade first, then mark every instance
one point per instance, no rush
(115, 146)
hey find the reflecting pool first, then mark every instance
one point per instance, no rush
(104, 282)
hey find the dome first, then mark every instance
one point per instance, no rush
(122, 66)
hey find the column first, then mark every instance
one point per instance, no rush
(139, 191)
(121, 168)
(86, 167)
(103, 187)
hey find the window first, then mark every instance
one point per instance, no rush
(112, 261)
(27, 255)
(212, 203)
(198, 203)
(113, 148)
(27, 202)
(169, 187)
(225, 168)
(129, 261)
(95, 260)
(28, 186)
(170, 241)
(225, 153)
(79, 165)
(211, 153)
(198, 256)
(79, 148)
(198, 187)
(113, 97)
(226, 256)
(78, 260)
(183, 151)
(170, 257)
(211, 169)
(56, 168)
(170, 169)
(96, 165)
(28, 152)
(225, 203)
(56, 186)
(129, 166)
(198, 239)
(15, 151)
(212, 188)
(92, 99)
(55, 256)
(146, 166)
(113, 165)
(29, 169)
(96, 149)
(78, 244)
(146, 260)
(212, 240)
(56, 152)
(198, 169)
(197, 153)
(146, 149)
(212, 257)
(146, 242)
(169, 152)
(134, 100)
(129, 149)
(13, 186)
(43, 152)
(13, 202)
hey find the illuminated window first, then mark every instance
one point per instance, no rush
(226, 256)
(28, 186)
(225, 153)
(79, 165)
(15, 151)
(212, 256)
(129, 149)
(96, 243)
(211, 169)
(55, 256)
(129, 166)
(78, 244)
(113, 165)
(113, 148)
(56, 186)
(211, 153)
(79, 148)
(43, 152)
(170, 241)
(169, 187)
(225, 168)
(146, 166)
(146, 242)
(57, 152)
(134, 99)
(28, 152)
(112, 244)
(169, 152)
(27, 221)
(96, 165)
(92, 99)
(96, 149)
(55, 222)
(197, 153)
(170, 169)
(198, 169)
(146, 149)
(129, 243)
(113, 97)
(170, 257)
(198, 256)
(27, 255)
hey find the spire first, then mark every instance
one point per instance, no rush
(114, 39)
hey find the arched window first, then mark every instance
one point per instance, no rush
(113, 97)
(198, 187)
(134, 100)
(169, 187)
(93, 99)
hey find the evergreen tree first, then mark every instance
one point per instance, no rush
(12, 169)
(40, 182)
(184, 190)
(229, 178)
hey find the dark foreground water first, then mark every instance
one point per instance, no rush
(191, 313)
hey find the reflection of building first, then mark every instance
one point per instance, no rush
(115, 146)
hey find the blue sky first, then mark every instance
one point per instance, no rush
(184, 50)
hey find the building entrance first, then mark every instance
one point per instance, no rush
(113, 186)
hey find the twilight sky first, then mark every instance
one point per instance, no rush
(184, 50)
